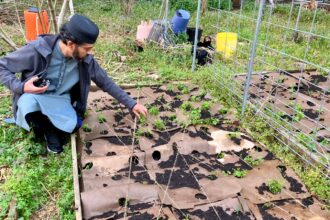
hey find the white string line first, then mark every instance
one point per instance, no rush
(286, 191)
(119, 139)
(130, 163)
(215, 170)
(207, 197)
(302, 148)
(197, 159)
(167, 186)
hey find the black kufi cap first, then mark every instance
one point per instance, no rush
(83, 29)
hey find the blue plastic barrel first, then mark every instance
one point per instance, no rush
(180, 21)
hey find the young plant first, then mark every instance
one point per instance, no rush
(86, 128)
(299, 114)
(101, 118)
(234, 135)
(172, 117)
(186, 106)
(170, 87)
(143, 120)
(212, 121)
(239, 173)
(181, 86)
(195, 116)
(307, 141)
(253, 162)
(185, 90)
(159, 124)
(220, 155)
(275, 186)
(206, 106)
(154, 111)
(223, 111)
(195, 98)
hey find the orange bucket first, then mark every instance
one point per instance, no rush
(35, 24)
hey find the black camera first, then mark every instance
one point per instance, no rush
(41, 82)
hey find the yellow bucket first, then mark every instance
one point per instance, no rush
(226, 43)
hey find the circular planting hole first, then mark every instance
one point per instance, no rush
(200, 196)
(109, 154)
(196, 169)
(104, 132)
(116, 177)
(123, 202)
(310, 103)
(105, 185)
(88, 144)
(195, 153)
(281, 168)
(88, 166)
(258, 149)
(212, 177)
(156, 155)
(134, 160)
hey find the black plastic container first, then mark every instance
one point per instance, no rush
(191, 34)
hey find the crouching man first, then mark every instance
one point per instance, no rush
(56, 74)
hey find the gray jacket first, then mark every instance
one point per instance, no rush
(34, 58)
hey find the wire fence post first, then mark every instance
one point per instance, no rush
(196, 35)
(253, 54)
(166, 15)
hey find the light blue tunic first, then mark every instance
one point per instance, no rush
(55, 102)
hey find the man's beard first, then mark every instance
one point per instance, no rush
(76, 55)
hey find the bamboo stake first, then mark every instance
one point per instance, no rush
(41, 17)
(52, 11)
(7, 39)
(62, 13)
(19, 22)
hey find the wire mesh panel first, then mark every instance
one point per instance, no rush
(279, 66)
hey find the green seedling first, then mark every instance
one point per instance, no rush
(101, 118)
(195, 117)
(143, 120)
(253, 162)
(159, 124)
(154, 111)
(275, 186)
(86, 128)
(195, 98)
(234, 135)
(172, 117)
(206, 106)
(181, 86)
(186, 106)
(223, 111)
(239, 173)
(220, 155)
(299, 114)
(170, 87)
(212, 121)
(307, 141)
(185, 90)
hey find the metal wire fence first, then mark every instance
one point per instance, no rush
(279, 67)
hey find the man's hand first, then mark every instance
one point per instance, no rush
(140, 110)
(30, 88)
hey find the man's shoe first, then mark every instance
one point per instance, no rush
(53, 142)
